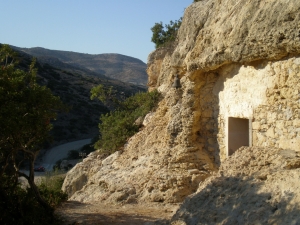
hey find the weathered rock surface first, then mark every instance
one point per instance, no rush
(219, 32)
(253, 186)
(235, 59)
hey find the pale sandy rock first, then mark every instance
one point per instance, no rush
(110, 159)
(215, 33)
(78, 176)
(154, 66)
(139, 121)
(148, 118)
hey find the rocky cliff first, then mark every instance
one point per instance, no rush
(238, 63)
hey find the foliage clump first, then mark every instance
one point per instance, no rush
(50, 188)
(165, 35)
(118, 125)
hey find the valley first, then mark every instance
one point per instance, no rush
(72, 83)
(220, 145)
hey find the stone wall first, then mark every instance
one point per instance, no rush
(267, 93)
(277, 121)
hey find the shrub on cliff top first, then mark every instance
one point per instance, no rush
(164, 35)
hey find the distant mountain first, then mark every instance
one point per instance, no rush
(116, 66)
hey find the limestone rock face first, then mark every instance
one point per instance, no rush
(219, 32)
(78, 176)
(155, 68)
(238, 63)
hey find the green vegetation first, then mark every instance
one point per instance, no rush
(118, 125)
(25, 121)
(104, 94)
(50, 188)
(20, 206)
(165, 35)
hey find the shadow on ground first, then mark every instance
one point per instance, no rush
(240, 200)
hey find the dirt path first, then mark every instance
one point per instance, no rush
(98, 213)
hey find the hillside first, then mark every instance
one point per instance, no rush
(73, 86)
(116, 66)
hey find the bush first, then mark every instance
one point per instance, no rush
(50, 188)
(164, 35)
(117, 126)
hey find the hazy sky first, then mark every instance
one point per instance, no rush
(87, 26)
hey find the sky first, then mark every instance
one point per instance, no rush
(87, 26)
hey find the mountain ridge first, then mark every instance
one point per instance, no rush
(112, 65)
